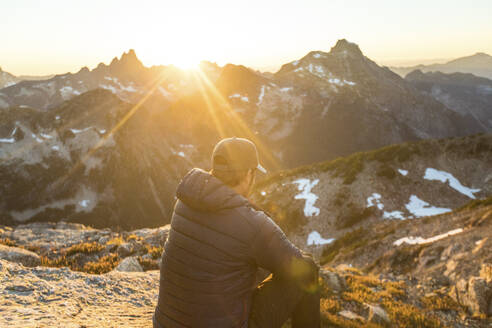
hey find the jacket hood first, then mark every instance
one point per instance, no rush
(202, 191)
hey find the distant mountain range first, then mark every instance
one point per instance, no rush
(71, 150)
(466, 94)
(479, 64)
(126, 77)
(7, 79)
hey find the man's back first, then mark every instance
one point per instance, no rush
(217, 241)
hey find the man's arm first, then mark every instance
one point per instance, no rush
(273, 251)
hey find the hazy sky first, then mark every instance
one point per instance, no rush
(55, 36)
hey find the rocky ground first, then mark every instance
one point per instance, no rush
(59, 274)
(56, 297)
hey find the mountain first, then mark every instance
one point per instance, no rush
(7, 79)
(319, 107)
(84, 159)
(466, 94)
(479, 64)
(126, 77)
(320, 203)
(94, 159)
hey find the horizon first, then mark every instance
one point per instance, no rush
(260, 36)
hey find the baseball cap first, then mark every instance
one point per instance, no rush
(236, 154)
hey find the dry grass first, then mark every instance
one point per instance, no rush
(103, 265)
(7, 242)
(390, 295)
(440, 303)
(155, 252)
(116, 241)
(148, 264)
(84, 248)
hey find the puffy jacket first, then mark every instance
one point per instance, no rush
(216, 243)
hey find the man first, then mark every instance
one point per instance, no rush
(217, 241)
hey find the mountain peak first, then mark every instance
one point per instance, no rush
(130, 56)
(481, 54)
(344, 46)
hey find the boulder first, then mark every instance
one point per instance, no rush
(479, 294)
(378, 315)
(333, 280)
(350, 315)
(475, 294)
(19, 255)
(125, 249)
(130, 264)
(154, 237)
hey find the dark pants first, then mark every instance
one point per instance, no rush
(276, 300)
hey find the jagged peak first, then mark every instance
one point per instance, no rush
(130, 55)
(343, 45)
(128, 60)
(84, 69)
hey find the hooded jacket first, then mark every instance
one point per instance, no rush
(216, 243)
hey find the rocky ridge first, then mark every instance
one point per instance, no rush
(79, 162)
(319, 203)
(126, 77)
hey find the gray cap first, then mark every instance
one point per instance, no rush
(235, 154)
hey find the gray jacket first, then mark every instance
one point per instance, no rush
(216, 243)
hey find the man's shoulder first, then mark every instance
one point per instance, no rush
(254, 215)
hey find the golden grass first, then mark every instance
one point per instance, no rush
(391, 296)
(8, 242)
(440, 303)
(103, 265)
(84, 248)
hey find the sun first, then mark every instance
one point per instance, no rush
(186, 61)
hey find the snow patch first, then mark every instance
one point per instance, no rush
(286, 89)
(55, 148)
(262, 94)
(84, 203)
(375, 200)
(67, 92)
(11, 139)
(76, 131)
(433, 174)
(314, 238)
(237, 95)
(339, 82)
(394, 215)
(403, 172)
(317, 55)
(295, 62)
(419, 240)
(108, 87)
(181, 154)
(7, 140)
(420, 208)
(263, 193)
(57, 117)
(305, 186)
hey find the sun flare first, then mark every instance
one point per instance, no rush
(186, 62)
